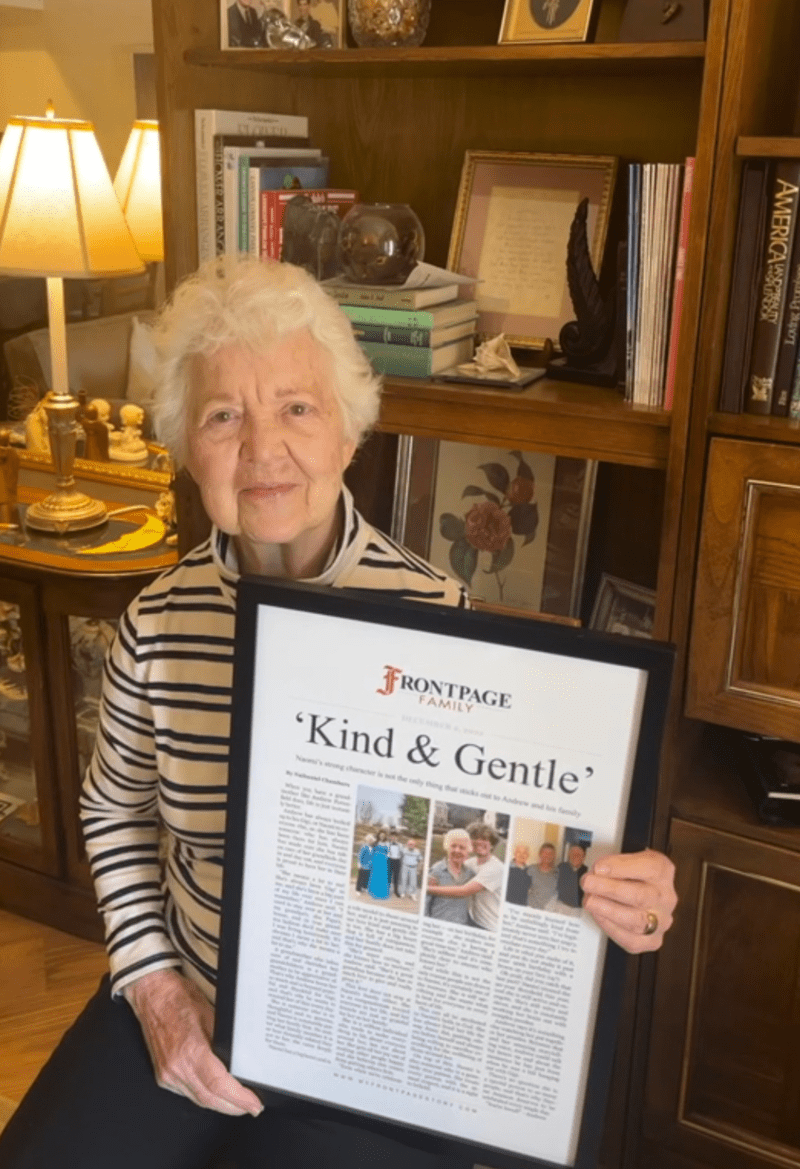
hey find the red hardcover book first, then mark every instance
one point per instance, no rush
(774, 286)
(273, 205)
(677, 290)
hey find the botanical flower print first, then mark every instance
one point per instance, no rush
(499, 518)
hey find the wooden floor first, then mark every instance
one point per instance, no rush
(46, 978)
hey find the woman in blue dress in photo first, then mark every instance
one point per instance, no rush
(378, 884)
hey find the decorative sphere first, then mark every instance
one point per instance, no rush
(380, 243)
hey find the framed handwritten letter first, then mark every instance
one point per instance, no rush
(360, 969)
(511, 230)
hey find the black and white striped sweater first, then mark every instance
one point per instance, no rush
(161, 754)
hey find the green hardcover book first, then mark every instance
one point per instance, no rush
(389, 295)
(450, 313)
(410, 361)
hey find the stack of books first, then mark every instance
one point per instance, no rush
(659, 206)
(761, 363)
(248, 167)
(409, 332)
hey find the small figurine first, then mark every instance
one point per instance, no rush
(96, 447)
(103, 412)
(127, 445)
(9, 474)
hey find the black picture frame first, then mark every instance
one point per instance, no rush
(278, 605)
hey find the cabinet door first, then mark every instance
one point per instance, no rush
(723, 1085)
(29, 809)
(81, 617)
(744, 667)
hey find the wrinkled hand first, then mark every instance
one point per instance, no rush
(432, 882)
(620, 891)
(177, 1021)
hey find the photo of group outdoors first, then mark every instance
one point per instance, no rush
(466, 865)
(388, 842)
(547, 863)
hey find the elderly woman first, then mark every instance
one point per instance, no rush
(484, 879)
(264, 395)
(446, 875)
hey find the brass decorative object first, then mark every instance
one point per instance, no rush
(66, 509)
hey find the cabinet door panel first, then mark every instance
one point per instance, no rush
(724, 1079)
(744, 667)
(29, 812)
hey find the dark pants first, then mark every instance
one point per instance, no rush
(96, 1104)
(394, 873)
(362, 879)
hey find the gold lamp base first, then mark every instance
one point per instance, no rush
(65, 511)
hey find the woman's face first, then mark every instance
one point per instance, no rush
(458, 850)
(267, 450)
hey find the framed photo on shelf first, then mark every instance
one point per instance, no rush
(512, 525)
(623, 607)
(511, 228)
(314, 962)
(533, 22)
(282, 24)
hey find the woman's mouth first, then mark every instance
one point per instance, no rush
(268, 491)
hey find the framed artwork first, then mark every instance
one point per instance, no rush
(512, 525)
(282, 24)
(429, 730)
(512, 222)
(530, 22)
(623, 607)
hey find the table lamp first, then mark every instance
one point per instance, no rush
(59, 217)
(137, 184)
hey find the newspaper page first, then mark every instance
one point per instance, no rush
(392, 959)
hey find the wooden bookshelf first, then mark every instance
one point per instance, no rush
(558, 417)
(768, 147)
(469, 60)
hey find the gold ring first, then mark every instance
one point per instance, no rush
(652, 923)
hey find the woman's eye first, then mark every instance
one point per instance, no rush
(221, 416)
(298, 409)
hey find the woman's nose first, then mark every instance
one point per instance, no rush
(262, 437)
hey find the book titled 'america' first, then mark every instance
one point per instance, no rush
(774, 286)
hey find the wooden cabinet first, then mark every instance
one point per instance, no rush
(55, 625)
(396, 124)
(724, 1068)
(744, 665)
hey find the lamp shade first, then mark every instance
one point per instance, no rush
(138, 187)
(59, 215)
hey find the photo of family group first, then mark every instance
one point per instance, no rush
(388, 842)
(547, 863)
(466, 865)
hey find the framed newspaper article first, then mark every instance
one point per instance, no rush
(384, 754)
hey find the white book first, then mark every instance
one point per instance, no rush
(207, 123)
(232, 156)
(644, 320)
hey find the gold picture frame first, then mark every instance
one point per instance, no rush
(533, 22)
(510, 233)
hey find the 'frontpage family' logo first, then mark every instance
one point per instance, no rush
(447, 695)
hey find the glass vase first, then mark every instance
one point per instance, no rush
(378, 23)
(379, 243)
